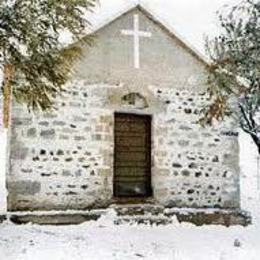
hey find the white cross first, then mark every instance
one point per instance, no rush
(137, 34)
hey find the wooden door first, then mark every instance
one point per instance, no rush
(132, 162)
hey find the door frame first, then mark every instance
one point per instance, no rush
(149, 169)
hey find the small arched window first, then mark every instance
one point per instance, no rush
(134, 99)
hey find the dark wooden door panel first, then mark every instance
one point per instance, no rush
(131, 172)
(123, 156)
(132, 148)
(131, 140)
(131, 127)
(131, 164)
(131, 189)
(132, 155)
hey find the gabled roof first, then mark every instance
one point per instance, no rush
(161, 23)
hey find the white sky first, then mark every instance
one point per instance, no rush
(190, 18)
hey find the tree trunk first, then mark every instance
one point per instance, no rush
(258, 147)
(7, 92)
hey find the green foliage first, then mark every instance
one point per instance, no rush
(234, 81)
(30, 43)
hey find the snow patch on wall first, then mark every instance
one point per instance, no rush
(248, 166)
(3, 135)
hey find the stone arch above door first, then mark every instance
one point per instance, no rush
(134, 98)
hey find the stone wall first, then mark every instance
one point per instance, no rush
(196, 166)
(64, 160)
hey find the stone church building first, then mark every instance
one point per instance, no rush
(127, 128)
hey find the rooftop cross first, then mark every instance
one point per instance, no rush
(136, 34)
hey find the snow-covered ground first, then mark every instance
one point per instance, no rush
(103, 240)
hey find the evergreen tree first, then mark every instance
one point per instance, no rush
(234, 81)
(34, 63)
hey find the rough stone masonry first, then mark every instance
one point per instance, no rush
(64, 159)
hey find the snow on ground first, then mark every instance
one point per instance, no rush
(103, 240)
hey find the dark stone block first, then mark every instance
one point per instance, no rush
(219, 217)
(70, 193)
(215, 159)
(44, 123)
(198, 174)
(47, 133)
(79, 119)
(60, 152)
(45, 174)
(185, 173)
(79, 138)
(59, 123)
(84, 187)
(24, 187)
(78, 173)
(55, 219)
(183, 143)
(75, 104)
(193, 166)
(27, 170)
(31, 132)
(43, 152)
(176, 165)
(185, 128)
(175, 173)
(66, 173)
(230, 133)
(21, 121)
(187, 110)
(3, 218)
(19, 153)
(64, 137)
